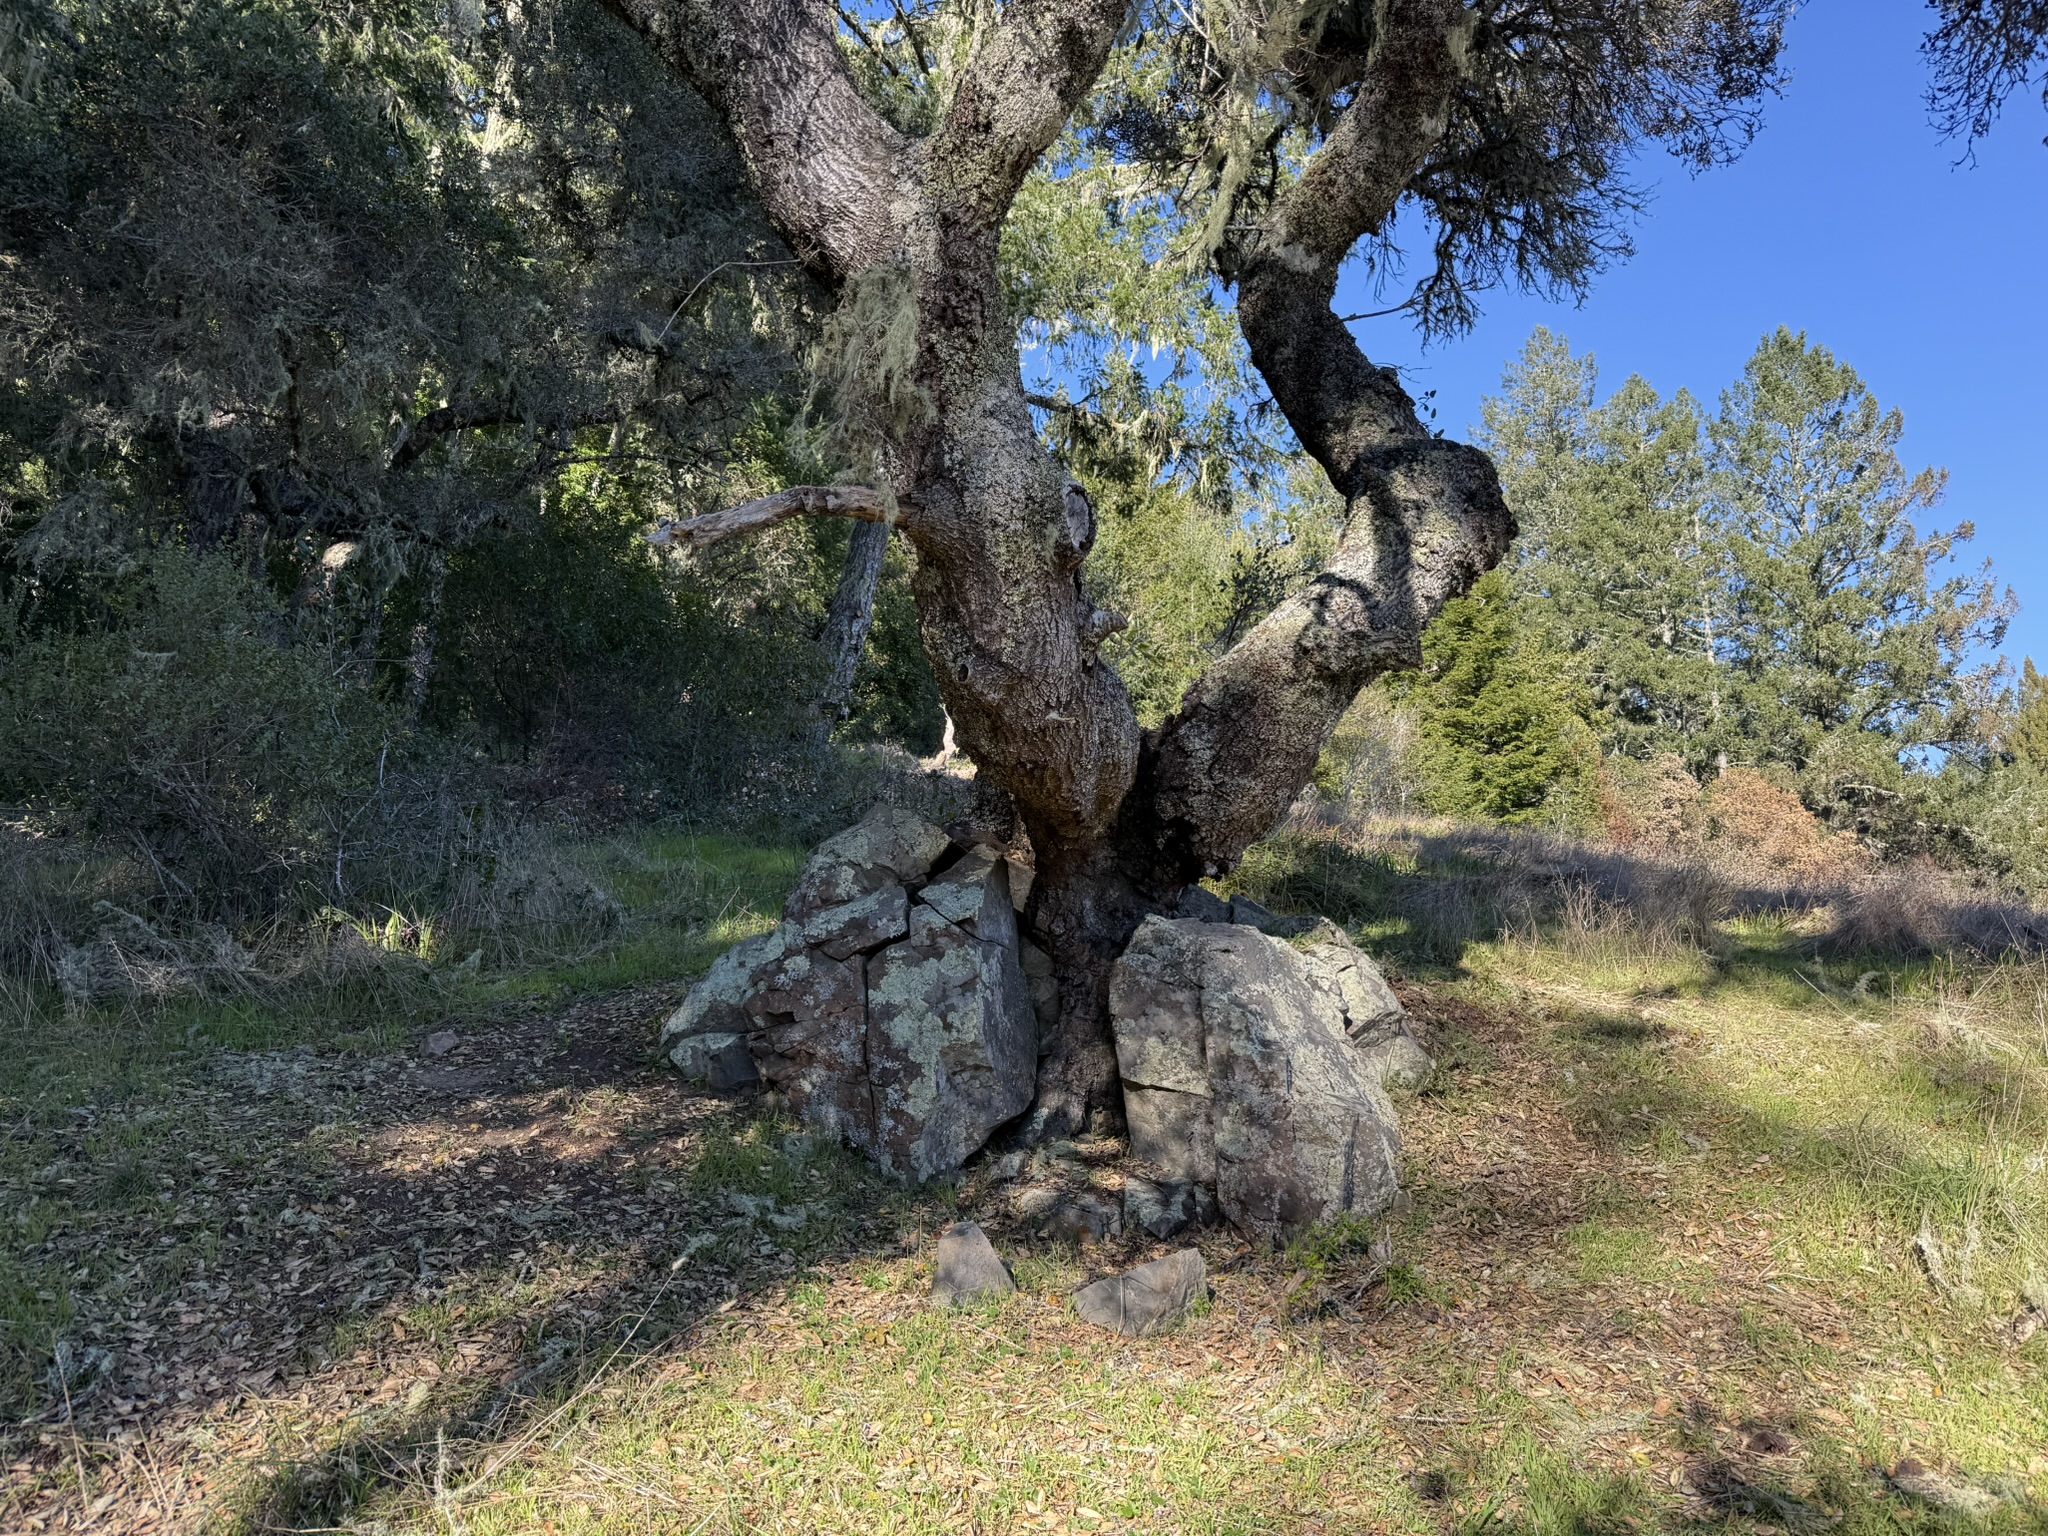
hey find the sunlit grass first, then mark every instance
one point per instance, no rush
(1673, 1196)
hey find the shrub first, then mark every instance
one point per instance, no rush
(1650, 806)
(1765, 830)
(180, 724)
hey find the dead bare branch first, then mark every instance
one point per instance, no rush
(852, 501)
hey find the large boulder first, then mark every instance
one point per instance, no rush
(951, 1042)
(888, 1009)
(1240, 1075)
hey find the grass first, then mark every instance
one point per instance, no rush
(1710, 1235)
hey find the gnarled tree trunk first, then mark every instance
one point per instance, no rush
(1121, 820)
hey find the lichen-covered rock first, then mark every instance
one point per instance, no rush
(889, 1008)
(1373, 1015)
(1239, 1076)
(952, 1046)
(866, 922)
(974, 894)
(809, 1016)
(889, 846)
(1371, 1011)
(718, 1003)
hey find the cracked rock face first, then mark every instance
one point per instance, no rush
(889, 1008)
(1144, 1300)
(1241, 1075)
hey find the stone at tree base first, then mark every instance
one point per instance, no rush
(967, 1268)
(1225, 1031)
(1146, 1299)
(809, 1017)
(866, 922)
(1173, 1131)
(720, 1061)
(1373, 1015)
(1203, 905)
(952, 1046)
(1166, 1209)
(889, 1008)
(889, 846)
(974, 894)
(718, 1003)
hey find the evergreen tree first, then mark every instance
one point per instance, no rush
(1502, 734)
(2026, 738)
(1616, 559)
(1849, 651)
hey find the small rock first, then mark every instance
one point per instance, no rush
(720, 1061)
(1166, 1209)
(1007, 1167)
(1058, 1159)
(1146, 1299)
(1920, 1482)
(967, 1268)
(440, 1042)
(1203, 906)
(1031, 1201)
(1082, 1218)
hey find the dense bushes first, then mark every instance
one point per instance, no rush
(183, 725)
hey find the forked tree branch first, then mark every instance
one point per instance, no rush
(1427, 516)
(1026, 77)
(850, 501)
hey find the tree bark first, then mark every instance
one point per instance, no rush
(1120, 822)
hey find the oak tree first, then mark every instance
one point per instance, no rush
(1281, 139)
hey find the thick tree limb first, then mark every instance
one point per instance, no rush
(1028, 74)
(854, 501)
(1427, 516)
(824, 162)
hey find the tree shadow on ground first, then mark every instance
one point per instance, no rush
(344, 1267)
(415, 1267)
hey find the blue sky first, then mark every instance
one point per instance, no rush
(1849, 219)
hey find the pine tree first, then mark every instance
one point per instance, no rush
(1502, 733)
(1848, 650)
(1616, 561)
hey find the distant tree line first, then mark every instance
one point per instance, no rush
(1752, 586)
